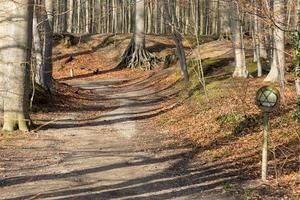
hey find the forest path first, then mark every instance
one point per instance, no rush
(116, 155)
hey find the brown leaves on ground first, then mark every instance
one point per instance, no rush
(228, 129)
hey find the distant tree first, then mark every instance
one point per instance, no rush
(47, 17)
(70, 16)
(38, 54)
(15, 52)
(169, 10)
(237, 40)
(278, 58)
(257, 40)
(136, 55)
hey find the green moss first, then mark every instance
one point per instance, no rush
(209, 65)
(227, 186)
(194, 90)
(178, 73)
(231, 118)
(250, 193)
(213, 85)
(192, 40)
(252, 66)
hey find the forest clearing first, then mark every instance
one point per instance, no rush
(149, 99)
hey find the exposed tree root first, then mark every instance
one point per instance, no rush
(134, 58)
(15, 120)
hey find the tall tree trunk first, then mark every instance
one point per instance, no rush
(136, 55)
(162, 19)
(236, 32)
(87, 16)
(70, 16)
(178, 40)
(39, 67)
(278, 59)
(48, 44)
(79, 16)
(257, 40)
(15, 51)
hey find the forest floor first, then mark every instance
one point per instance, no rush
(109, 134)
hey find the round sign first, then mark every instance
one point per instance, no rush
(267, 98)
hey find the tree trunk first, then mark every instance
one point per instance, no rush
(257, 40)
(15, 52)
(236, 31)
(178, 41)
(48, 43)
(37, 52)
(70, 16)
(278, 59)
(136, 55)
(87, 17)
(79, 16)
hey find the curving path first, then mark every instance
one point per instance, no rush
(117, 155)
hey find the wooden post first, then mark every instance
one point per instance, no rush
(71, 72)
(264, 165)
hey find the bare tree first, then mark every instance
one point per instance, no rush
(178, 40)
(48, 43)
(15, 51)
(278, 58)
(136, 55)
(236, 32)
(70, 16)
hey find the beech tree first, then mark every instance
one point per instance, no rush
(15, 51)
(136, 55)
(257, 41)
(237, 41)
(37, 51)
(278, 58)
(70, 16)
(178, 40)
(48, 13)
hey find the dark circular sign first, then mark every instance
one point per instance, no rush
(267, 98)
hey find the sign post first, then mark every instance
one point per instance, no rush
(267, 99)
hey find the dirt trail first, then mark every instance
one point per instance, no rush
(112, 156)
(116, 155)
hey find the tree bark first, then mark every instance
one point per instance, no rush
(178, 41)
(39, 67)
(70, 16)
(236, 31)
(257, 40)
(15, 51)
(48, 44)
(136, 55)
(278, 60)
